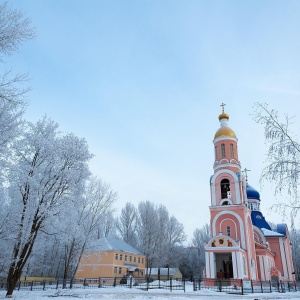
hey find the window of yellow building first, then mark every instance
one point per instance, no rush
(121, 257)
(125, 257)
(120, 270)
(142, 260)
(134, 259)
(139, 260)
(116, 255)
(130, 258)
(115, 270)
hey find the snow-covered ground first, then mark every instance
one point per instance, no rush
(122, 293)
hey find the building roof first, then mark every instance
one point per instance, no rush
(113, 244)
(163, 271)
(270, 232)
(281, 228)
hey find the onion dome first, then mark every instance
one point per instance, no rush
(259, 220)
(224, 130)
(252, 193)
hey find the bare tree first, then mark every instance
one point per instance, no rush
(283, 158)
(148, 230)
(200, 236)
(126, 224)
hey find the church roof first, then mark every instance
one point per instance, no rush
(258, 220)
(252, 193)
(270, 232)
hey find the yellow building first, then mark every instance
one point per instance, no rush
(111, 257)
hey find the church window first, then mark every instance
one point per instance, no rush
(223, 150)
(231, 150)
(225, 188)
(228, 230)
(216, 153)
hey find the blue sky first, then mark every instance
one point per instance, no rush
(143, 81)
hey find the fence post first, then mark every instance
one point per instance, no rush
(19, 284)
(270, 286)
(171, 284)
(278, 286)
(295, 286)
(282, 287)
(147, 284)
(71, 283)
(57, 282)
(194, 285)
(261, 287)
(130, 281)
(251, 286)
(115, 281)
(184, 284)
(199, 285)
(242, 286)
(44, 285)
(31, 285)
(99, 282)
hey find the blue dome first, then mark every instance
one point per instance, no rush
(252, 193)
(259, 220)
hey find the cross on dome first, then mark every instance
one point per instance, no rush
(223, 104)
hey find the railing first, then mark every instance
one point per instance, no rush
(100, 282)
(239, 286)
(234, 286)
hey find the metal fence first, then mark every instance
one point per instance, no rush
(100, 282)
(239, 286)
(233, 286)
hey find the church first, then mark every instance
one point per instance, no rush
(242, 244)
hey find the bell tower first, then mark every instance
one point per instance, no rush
(229, 253)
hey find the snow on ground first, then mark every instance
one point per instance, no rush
(121, 293)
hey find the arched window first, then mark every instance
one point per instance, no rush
(225, 188)
(216, 153)
(231, 151)
(223, 150)
(228, 230)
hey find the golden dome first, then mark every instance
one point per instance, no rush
(223, 116)
(225, 131)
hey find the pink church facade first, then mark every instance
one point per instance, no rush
(242, 244)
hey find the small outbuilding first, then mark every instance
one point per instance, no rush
(164, 273)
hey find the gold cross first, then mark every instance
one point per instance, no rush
(223, 104)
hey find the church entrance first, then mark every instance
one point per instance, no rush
(224, 265)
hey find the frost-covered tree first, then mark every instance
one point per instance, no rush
(148, 230)
(295, 241)
(282, 159)
(47, 167)
(200, 237)
(159, 235)
(126, 224)
(14, 29)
